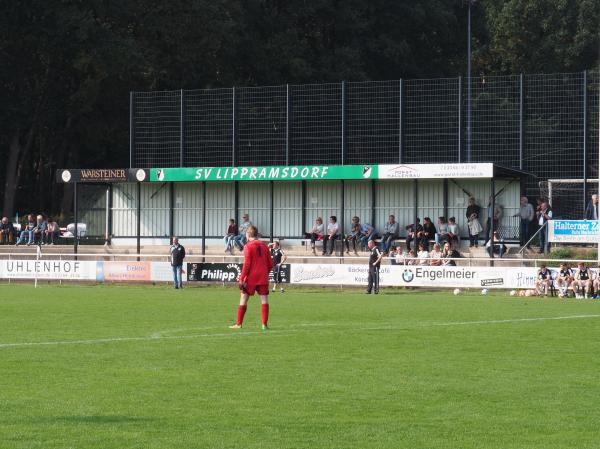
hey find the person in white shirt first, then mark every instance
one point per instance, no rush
(435, 256)
(543, 215)
(400, 256)
(316, 233)
(422, 255)
(331, 236)
(453, 232)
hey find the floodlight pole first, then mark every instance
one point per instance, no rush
(598, 250)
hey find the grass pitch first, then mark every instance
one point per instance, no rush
(151, 367)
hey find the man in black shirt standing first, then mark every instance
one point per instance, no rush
(177, 255)
(279, 259)
(374, 264)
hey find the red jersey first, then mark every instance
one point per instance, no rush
(257, 263)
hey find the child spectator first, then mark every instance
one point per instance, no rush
(231, 232)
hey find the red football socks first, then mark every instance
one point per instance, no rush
(240, 315)
(264, 313)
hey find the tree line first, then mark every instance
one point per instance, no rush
(66, 68)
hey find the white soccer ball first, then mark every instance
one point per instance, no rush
(484, 291)
(513, 293)
(456, 291)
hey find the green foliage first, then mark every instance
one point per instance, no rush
(150, 367)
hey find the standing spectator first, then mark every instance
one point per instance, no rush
(27, 230)
(52, 232)
(368, 233)
(428, 232)
(527, 215)
(453, 232)
(374, 265)
(7, 231)
(473, 224)
(240, 240)
(254, 277)
(423, 255)
(591, 211)
(316, 233)
(496, 214)
(279, 258)
(412, 233)
(177, 252)
(40, 229)
(544, 214)
(230, 235)
(331, 236)
(435, 256)
(354, 236)
(442, 231)
(499, 246)
(391, 232)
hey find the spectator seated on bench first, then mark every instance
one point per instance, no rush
(52, 233)
(315, 234)
(499, 246)
(240, 240)
(391, 232)
(331, 236)
(39, 232)
(27, 231)
(354, 236)
(7, 232)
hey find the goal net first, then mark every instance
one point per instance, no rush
(567, 196)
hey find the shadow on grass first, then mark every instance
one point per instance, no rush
(86, 419)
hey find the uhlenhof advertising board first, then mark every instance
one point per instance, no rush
(573, 231)
(49, 269)
(415, 276)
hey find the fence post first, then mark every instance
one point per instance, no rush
(233, 127)
(585, 130)
(401, 124)
(131, 130)
(76, 214)
(343, 122)
(521, 120)
(181, 127)
(139, 219)
(288, 109)
(459, 118)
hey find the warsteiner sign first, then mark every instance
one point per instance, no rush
(102, 175)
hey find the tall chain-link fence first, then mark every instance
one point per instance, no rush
(545, 124)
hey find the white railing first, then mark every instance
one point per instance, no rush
(191, 258)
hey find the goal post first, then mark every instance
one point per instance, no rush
(567, 196)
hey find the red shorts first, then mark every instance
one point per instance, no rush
(260, 289)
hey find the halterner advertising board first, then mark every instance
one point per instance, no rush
(323, 172)
(573, 231)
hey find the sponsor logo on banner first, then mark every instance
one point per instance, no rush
(225, 272)
(573, 231)
(435, 171)
(415, 276)
(127, 271)
(102, 175)
(270, 173)
(48, 269)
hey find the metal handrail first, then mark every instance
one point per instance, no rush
(532, 237)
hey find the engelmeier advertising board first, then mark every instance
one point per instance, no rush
(415, 276)
(49, 269)
(573, 231)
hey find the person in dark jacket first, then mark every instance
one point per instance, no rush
(7, 231)
(428, 232)
(591, 211)
(177, 255)
(474, 226)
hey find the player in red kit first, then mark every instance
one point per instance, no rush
(254, 277)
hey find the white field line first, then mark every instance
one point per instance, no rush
(284, 332)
